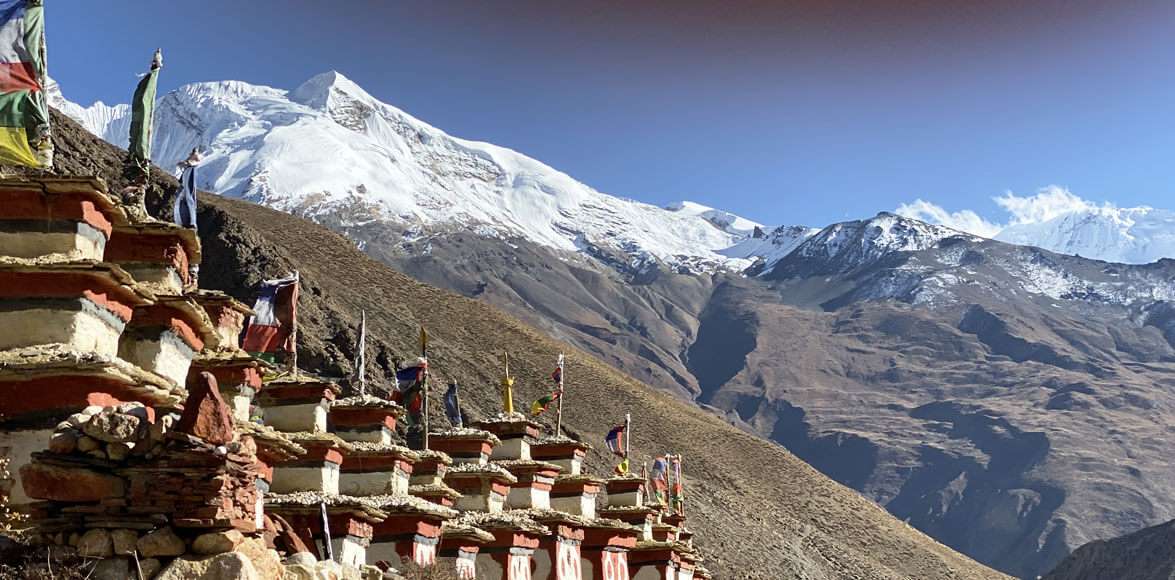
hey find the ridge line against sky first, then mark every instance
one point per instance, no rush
(782, 112)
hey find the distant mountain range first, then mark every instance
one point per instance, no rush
(1009, 400)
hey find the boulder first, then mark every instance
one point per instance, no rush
(88, 444)
(206, 415)
(226, 566)
(286, 540)
(300, 572)
(113, 427)
(118, 451)
(150, 567)
(112, 569)
(96, 543)
(69, 484)
(217, 542)
(266, 561)
(161, 542)
(301, 558)
(64, 442)
(125, 542)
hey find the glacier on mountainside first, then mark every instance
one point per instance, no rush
(328, 148)
(1137, 235)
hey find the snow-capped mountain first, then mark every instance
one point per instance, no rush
(845, 246)
(1138, 235)
(329, 150)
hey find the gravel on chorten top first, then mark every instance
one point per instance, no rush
(208, 296)
(516, 520)
(502, 417)
(484, 469)
(365, 401)
(268, 434)
(408, 503)
(440, 456)
(287, 379)
(457, 529)
(226, 355)
(308, 437)
(509, 463)
(581, 478)
(374, 448)
(549, 515)
(52, 359)
(676, 546)
(433, 489)
(314, 498)
(466, 433)
(560, 440)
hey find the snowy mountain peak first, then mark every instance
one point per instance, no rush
(331, 87)
(722, 220)
(1135, 235)
(846, 245)
(330, 151)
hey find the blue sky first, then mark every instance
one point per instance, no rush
(783, 112)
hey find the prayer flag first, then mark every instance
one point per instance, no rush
(274, 315)
(24, 111)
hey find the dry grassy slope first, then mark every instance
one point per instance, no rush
(1143, 555)
(757, 509)
(759, 512)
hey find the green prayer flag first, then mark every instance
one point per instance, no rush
(143, 112)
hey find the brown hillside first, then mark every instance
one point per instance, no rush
(758, 511)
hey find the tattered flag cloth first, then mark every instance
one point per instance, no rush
(409, 380)
(359, 376)
(622, 468)
(660, 473)
(273, 317)
(677, 495)
(143, 112)
(452, 408)
(24, 112)
(544, 402)
(615, 440)
(557, 376)
(184, 211)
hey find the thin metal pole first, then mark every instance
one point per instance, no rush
(559, 408)
(330, 550)
(627, 433)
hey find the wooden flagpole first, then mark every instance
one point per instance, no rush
(294, 326)
(507, 387)
(424, 355)
(559, 408)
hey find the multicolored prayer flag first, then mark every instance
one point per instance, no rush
(24, 110)
(542, 403)
(660, 473)
(615, 440)
(274, 316)
(622, 467)
(409, 388)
